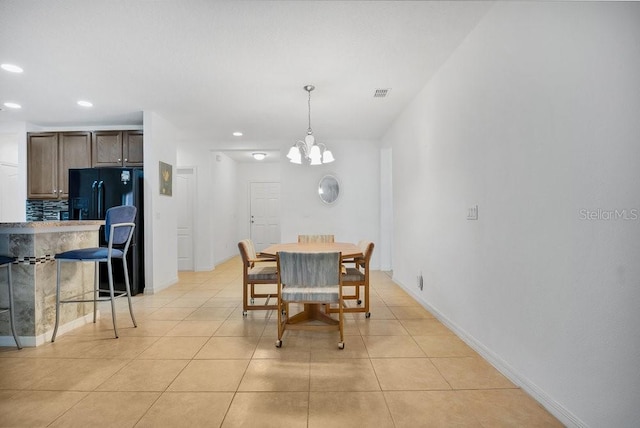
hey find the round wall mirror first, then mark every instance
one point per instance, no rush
(329, 189)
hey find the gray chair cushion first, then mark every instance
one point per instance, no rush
(310, 294)
(353, 275)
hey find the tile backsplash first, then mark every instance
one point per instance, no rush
(39, 210)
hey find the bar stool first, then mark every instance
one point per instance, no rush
(118, 231)
(6, 262)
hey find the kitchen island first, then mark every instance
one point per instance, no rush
(34, 245)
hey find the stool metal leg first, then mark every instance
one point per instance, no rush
(96, 288)
(128, 288)
(55, 329)
(112, 298)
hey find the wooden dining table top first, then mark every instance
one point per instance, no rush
(347, 249)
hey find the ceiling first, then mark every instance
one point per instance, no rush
(215, 67)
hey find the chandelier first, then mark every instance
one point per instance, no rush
(312, 152)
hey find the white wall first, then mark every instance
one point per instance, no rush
(9, 143)
(13, 152)
(356, 214)
(223, 213)
(12, 194)
(384, 246)
(160, 216)
(534, 118)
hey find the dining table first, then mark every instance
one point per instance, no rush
(312, 311)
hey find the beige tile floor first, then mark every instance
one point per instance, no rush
(195, 361)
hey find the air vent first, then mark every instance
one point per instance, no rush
(381, 93)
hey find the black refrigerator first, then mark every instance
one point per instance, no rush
(92, 191)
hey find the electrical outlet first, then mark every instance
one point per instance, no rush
(472, 213)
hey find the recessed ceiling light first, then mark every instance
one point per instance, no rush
(259, 156)
(12, 105)
(85, 103)
(237, 134)
(11, 68)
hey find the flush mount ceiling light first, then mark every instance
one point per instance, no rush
(312, 152)
(13, 105)
(237, 134)
(83, 103)
(259, 156)
(12, 68)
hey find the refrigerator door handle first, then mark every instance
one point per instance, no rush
(100, 201)
(94, 198)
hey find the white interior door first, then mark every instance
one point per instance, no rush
(186, 184)
(265, 214)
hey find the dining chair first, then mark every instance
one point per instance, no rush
(6, 261)
(357, 277)
(362, 245)
(118, 231)
(310, 279)
(257, 270)
(313, 239)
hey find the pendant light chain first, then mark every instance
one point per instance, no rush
(309, 131)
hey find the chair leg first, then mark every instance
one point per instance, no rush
(366, 298)
(96, 288)
(12, 308)
(280, 308)
(55, 329)
(112, 298)
(283, 313)
(245, 306)
(341, 324)
(128, 288)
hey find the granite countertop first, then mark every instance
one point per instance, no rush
(49, 226)
(53, 223)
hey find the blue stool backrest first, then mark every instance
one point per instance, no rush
(115, 215)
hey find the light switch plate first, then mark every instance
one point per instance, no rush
(472, 214)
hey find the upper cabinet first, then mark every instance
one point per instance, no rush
(42, 166)
(50, 155)
(117, 148)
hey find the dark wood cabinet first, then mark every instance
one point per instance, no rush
(117, 148)
(74, 151)
(133, 153)
(49, 157)
(42, 166)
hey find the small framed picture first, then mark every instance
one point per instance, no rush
(166, 179)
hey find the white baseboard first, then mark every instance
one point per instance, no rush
(555, 408)
(148, 289)
(32, 341)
